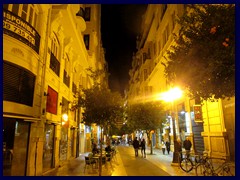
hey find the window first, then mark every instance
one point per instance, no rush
(54, 63)
(145, 74)
(87, 41)
(66, 77)
(65, 104)
(87, 13)
(15, 8)
(74, 88)
(26, 11)
(5, 6)
(18, 84)
(163, 10)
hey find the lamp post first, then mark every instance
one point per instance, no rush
(170, 96)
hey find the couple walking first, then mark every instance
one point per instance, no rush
(142, 145)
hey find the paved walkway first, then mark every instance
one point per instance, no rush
(75, 167)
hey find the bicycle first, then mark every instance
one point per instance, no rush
(191, 161)
(210, 168)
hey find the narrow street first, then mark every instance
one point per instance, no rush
(124, 164)
(139, 166)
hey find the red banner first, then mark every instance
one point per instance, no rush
(52, 100)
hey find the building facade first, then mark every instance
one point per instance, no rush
(47, 49)
(147, 80)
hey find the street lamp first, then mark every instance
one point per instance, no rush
(171, 96)
(65, 118)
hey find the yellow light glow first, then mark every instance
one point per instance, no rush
(65, 117)
(171, 95)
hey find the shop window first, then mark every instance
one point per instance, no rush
(15, 141)
(181, 118)
(48, 147)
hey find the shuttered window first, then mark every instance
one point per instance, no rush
(18, 84)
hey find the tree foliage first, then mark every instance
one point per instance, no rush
(146, 116)
(101, 106)
(203, 58)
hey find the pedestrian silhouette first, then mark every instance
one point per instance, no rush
(168, 146)
(187, 146)
(143, 148)
(136, 146)
(163, 147)
(179, 147)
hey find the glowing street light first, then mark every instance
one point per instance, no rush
(171, 96)
(65, 117)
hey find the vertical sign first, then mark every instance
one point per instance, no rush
(197, 109)
(52, 100)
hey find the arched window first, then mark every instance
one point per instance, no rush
(66, 76)
(54, 62)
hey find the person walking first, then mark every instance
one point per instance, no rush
(187, 146)
(136, 146)
(167, 146)
(143, 148)
(163, 147)
(179, 147)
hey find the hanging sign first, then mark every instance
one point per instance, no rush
(197, 109)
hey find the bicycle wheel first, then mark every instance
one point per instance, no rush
(203, 169)
(199, 170)
(186, 165)
(228, 170)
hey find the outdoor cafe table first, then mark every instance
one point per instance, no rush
(96, 157)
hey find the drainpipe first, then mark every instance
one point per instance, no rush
(44, 58)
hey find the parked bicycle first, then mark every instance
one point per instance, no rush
(188, 162)
(216, 167)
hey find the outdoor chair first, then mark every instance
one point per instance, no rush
(89, 162)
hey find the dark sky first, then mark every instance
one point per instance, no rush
(120, 26)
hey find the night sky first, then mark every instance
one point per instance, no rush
(120, 27)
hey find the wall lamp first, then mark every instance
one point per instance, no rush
(46, 94)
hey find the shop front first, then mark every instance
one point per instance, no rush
(15, 146)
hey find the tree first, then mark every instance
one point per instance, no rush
(146, 116)
(203, 58)
(101, 106)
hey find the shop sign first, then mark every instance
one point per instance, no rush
(197, 109)
(18, 28)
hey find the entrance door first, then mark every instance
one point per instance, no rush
(48, 147)
(197, 128)
(15, 143)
